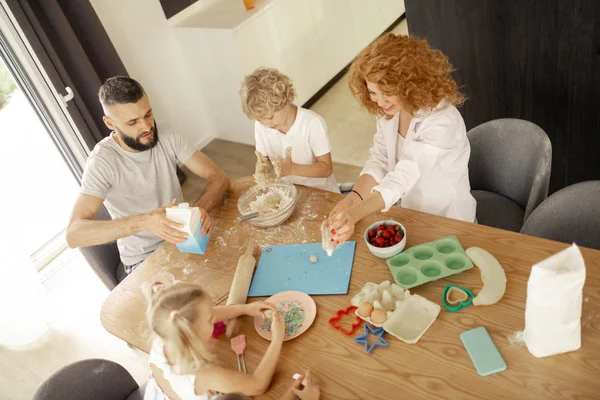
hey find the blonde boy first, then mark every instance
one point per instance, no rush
(292, 139)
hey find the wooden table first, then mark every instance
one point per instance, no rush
(437, 366)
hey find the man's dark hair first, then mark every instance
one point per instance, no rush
(120, 90)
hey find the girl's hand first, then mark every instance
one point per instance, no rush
(277, 327)
(342, 226)
(257, 308)
(310, 391)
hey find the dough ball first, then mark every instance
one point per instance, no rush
(365, 309)
(378, 316)
(313, 259)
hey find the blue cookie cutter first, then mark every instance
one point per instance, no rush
(365, 338)
(461, 304)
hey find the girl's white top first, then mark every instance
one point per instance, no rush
(182, 385)
(429, 172)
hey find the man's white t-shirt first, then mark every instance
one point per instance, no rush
(136, 183)
(308, 139)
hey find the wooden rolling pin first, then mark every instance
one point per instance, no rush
(240, 285)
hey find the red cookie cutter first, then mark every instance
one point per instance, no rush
(219, 328)
(338, 317)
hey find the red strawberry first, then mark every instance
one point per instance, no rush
(381, 227)
(386, 234)
(372, 233)
(398, 238)
(379, 241)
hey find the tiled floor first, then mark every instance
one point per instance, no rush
(77, 333)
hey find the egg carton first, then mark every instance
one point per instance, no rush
(386, 296)
(408, 316)
(428, 262)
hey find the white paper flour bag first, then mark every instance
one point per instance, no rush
(554, 300)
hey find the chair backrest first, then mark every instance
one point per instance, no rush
(104, 259)
(93, 379)
(569, 215)
(513, 158)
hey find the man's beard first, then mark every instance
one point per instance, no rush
(135, 143)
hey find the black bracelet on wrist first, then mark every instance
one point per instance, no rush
(358, 194)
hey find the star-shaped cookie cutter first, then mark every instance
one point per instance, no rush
(333, 321)
(365, 338)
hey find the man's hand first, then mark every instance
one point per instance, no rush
(206, 222)
(157, 222)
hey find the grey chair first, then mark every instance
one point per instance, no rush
(104, 259)
(569, 215)
(509, 170)
(346, 187)
(93, 379)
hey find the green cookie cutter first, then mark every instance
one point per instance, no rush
(461, 304)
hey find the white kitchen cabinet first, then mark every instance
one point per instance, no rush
(309, 40)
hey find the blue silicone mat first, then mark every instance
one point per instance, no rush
(288, 267)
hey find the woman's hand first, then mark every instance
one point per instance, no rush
(257, 308)
(347, 202)
(342, 226)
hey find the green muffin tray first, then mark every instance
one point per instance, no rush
(428, 262)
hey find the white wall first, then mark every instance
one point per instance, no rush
(310, 40)
(192, 74)
(151, 54)
(212, 55)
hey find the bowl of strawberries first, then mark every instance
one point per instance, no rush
(385, 239)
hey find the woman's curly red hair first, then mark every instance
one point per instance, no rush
(406, 67)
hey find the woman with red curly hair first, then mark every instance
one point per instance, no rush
(420, 155)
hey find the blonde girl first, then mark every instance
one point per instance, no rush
(181, 316)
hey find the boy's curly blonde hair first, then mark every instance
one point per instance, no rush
(265, 92)
(406, 67)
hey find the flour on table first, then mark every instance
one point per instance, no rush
(269, 203)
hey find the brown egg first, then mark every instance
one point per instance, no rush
(365, 309)
(378, 316)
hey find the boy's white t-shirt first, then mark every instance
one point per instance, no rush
(308, 139)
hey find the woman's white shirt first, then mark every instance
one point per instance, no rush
(429, 172)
